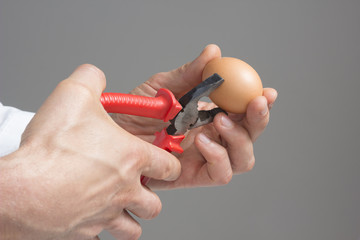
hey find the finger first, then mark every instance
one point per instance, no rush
(187, 76)
(270, 94)
(145, 204)
(124, 227)
(257, 117)
(238, 143)
(217, 168)
(159, 164)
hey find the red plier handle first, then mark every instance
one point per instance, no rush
(163, 106)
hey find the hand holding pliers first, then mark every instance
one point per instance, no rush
(182, 114)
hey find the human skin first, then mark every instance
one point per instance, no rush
(77, 172)
(214, 152)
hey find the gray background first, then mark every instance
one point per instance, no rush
(305, 184)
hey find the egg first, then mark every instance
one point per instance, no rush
(241, 83)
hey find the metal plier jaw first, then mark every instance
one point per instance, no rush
(189, 116)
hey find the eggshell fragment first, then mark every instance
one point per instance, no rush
(241, 83)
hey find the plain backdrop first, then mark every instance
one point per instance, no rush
(306, 181)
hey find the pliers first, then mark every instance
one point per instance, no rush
(182, 114)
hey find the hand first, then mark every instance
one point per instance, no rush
(214, 152)
(77, 172)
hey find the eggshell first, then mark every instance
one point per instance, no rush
(241, 83)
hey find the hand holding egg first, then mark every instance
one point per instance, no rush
(213, 152)
(242, 83)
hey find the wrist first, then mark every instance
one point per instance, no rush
(9, 209)
(15, 202)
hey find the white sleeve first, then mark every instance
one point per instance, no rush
(12, 124)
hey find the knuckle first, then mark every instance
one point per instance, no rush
(81, 89)
(125, 226)
(246, 166)
(182, 69)
(264, 122)
(160, 75)
(156, 211)
(220, 153)
(238, 138)
(136, 233)
(171, 169)
(243, 138)
(157, 77)
(242, 159)
(250, 165)
(131, 233)
(124, 176)
(93, 69)
(166, 171)
(121, 201)
(225, 179)
(137, 158)
(156, 207)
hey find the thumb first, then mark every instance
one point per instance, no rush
(191, 73)
(70, 99)
(182, 79)
(87, 82)
(90, 77)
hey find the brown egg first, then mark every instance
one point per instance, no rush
(241, 83)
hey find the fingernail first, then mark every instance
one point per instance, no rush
(203, 138)
(226, 122)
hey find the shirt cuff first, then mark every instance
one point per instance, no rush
(12, 124)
